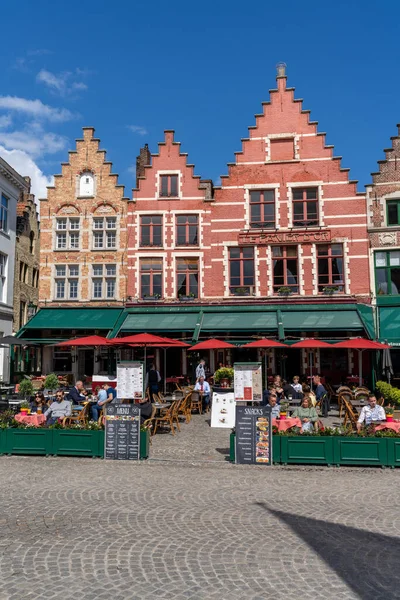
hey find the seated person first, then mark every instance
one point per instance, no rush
(371, 413)
(58, 410)
(77, 393)
(275, 408)
(296, 385)
(101, 400)
(312, 400)
(38, 403)
(307, 415)
(321, 395)
(203, 387)
(146, 410)
(289, 390)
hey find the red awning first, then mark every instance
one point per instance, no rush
(212, 344)
(264, 343)
(90, 340)
(148, 339)
(361, 344)
(311, 343)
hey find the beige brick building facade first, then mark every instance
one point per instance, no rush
(83, 232)
(27, 257)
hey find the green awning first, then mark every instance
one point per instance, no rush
(261, 322)
(160, 322)
(389, 324)
(74, 318)
(322, 320)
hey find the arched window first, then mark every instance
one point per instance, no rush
(31, 242)
(86, 184)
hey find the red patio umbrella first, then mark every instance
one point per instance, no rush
(311, 343)
(360, 344)
(89, 340)
(211, 344)
(264, 343)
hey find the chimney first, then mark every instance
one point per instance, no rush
(142, 161)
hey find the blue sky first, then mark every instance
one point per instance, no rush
(133, 69)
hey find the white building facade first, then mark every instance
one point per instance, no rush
(11, 186)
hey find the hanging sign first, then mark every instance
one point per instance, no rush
(130, 380)
(248, 382)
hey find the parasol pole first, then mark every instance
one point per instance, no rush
(311, 369)
(165, 371)
(360, 368)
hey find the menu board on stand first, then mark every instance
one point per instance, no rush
(122, 432)
(253, 435)
(223, 408)
(248, 382)
(130, 380)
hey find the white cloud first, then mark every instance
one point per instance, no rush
(24, 165)
(63, 83)
(34, 142)
(36, 109)
(5, 121)
(139, 129)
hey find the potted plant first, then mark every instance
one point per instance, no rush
(389, 410)
(224, 376)
(187, 298)
(51, 382)
(25, 388)
(329, 290)
(284, 290)
(151, 298)
(24, 407)
(242, 291)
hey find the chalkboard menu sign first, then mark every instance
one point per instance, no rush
(253, 435)
(122, 436)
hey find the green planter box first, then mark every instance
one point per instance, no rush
(75, 442)
(306, 450)
(29, 441)
(276, 448)
(393, 451)
(360, 451)
(144, 444)
(3, 441)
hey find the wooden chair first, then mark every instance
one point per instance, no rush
(149, 423)
(330, 390)
(343, 388)
(341, 397)
(156, 399)
(196, 402)
(349, 416)
(81, 417)
(165, 419)
(185, 407)
(175, 413)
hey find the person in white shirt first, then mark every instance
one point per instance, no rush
(370, 413)
(201, 370)
(296, 385)
(203, 387)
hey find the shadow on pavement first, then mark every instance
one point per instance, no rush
(367, 562)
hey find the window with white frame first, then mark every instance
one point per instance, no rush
(169, 186)
(86, 184)
(67, 233)
(104, 233)
(66, 282)
(3, 273)
(104, 282)
(4, 214)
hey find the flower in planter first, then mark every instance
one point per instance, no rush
(223, 373)
(330, 289)
(284, 290)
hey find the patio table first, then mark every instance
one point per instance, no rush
(394, 425)
(33, 419)
(285, 424)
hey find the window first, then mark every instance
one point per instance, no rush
(104, 282)
(285, 268)
(262, 208)
(22, 313)
(4, 214)
(35, 281)
(187, 230)
(187, 277)
(330, 266)
(393, 212)
(67, 234)
(168, 186)
(305, 207)
(241, 271)
(3, 273)
(151, 277)
(387, 273)
(66, 282)
(104, 233)
(31, 242)
(23, 272)
(151, 230)
(86, 184)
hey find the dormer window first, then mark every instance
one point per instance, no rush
(393, 212)
(86, 184)
(168, 186)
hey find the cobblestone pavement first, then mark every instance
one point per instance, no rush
(91, 529)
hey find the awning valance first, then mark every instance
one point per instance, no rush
(310, 320)
(73, 318)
